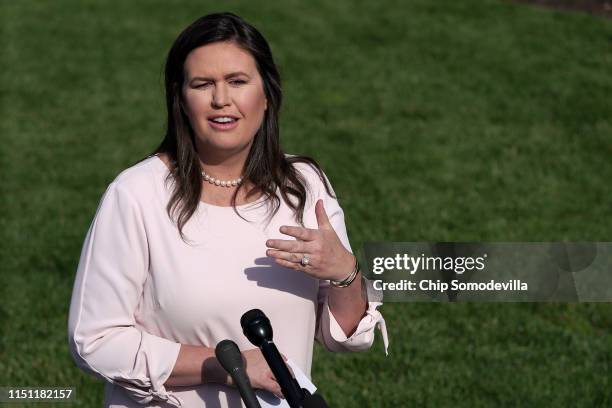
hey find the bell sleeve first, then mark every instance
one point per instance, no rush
(102, 336)
(328, 331)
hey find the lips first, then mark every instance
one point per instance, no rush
(223, 115)
(223, 126)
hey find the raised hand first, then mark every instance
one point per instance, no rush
(317, 252)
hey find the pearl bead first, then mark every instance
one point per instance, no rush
(222, 183)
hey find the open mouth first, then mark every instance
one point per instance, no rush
(223, 122)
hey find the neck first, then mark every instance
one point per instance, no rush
(223, 164)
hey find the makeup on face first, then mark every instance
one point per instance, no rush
(224, 95)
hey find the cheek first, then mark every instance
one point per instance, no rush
(195, 103)
(252, 103)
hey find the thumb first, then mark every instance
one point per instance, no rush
(322, 219)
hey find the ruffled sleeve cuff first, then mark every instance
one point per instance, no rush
(162, 355)
(142, 377)
(334, 338)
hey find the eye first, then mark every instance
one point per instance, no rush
(202, 85)
(238, 82)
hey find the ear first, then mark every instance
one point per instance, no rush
(266, 107)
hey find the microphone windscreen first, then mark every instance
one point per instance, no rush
(228, 354)
(251, 315)
(256, 327)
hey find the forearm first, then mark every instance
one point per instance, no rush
(197, 365)
(348, 305)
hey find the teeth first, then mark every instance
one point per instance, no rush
(223, 119)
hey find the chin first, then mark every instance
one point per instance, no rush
(225, 145)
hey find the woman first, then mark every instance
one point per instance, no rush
(217, 221)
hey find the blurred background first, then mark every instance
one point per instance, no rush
(471, 120)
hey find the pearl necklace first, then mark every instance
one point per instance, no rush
(222, 183)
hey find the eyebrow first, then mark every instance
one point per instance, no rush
(230, 75)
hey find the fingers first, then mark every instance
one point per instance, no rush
(305, 234)
(285, 245)
(270, 384)
(288, 245)
(291, 265)
(321, 214)
(290, 256)
(275, 388)
(259, 373)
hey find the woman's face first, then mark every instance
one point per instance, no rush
(221, 80)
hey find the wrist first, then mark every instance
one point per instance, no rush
(214, 373)
(348, 264)
(349, 277)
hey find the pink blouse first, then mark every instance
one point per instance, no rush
(140, 291)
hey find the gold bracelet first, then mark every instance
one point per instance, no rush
(349, 279)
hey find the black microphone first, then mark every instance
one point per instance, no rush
(257, 328)
(229, 356)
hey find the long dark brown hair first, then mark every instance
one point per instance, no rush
(267, 167)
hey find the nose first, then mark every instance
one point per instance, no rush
(221, 96)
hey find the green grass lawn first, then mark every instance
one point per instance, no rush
(435, 121)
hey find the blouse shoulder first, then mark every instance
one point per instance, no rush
(137, 180)
(310, 174)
